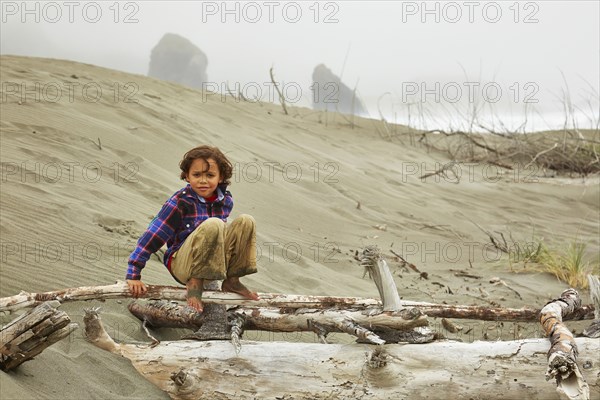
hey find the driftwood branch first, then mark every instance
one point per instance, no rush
(562, 356)
(405, 263)
(237, 328)
(445, 167)
(350, 327)
(319, 330)
(281, 96)
(95, 333)
(378, 269)
(155, 341)
(539, 154)
(121, 290)
(467, 136)
(212, 369)
(31, 333)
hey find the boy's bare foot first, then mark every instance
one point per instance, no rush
(235, 286)
(194, 293)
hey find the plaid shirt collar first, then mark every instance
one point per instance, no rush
(189, 192)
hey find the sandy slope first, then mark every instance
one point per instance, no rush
(71, 212)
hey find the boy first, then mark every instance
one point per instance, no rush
(192, 224)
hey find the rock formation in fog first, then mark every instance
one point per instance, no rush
(176, 59)
(329, 93)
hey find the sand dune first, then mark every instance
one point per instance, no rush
(73, 207)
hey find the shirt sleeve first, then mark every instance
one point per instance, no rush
(228, 205)
(160, 230)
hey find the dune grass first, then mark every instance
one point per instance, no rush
(526, 251)
(569, 264)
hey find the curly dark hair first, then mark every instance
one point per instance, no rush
(205, 152)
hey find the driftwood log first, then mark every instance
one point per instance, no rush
(391, 319)
(212, 369)
(562, 356)
(31, 333)
(120, 290)
(168, 314)
(284, 301)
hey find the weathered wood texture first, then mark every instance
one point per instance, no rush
(379, 271)
(121, 290)
(165, 314)
(562, 356)
(593, 330)
(270, 370)
(29, 334)
(214, 326)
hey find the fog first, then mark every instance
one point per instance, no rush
(403, 57)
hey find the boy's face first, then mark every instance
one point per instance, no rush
(204, 178)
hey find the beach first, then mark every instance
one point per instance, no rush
(89, 155)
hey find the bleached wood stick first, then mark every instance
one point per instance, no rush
(237, 328)
(281, 96)
(350, 327)
(562, 356)
(378, 269)
(121, 290)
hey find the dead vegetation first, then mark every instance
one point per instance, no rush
(570, 152)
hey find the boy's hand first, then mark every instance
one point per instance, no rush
(136, 287)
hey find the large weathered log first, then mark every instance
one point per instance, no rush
(28, 335)
(162, 314)
(453, 370)
(120, 290)
(562, 356)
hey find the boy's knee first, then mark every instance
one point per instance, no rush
(245, 219)
(212, 225)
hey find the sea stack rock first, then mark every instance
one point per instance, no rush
(176, 59)
(329, 93)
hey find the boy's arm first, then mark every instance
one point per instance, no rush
(160, 230)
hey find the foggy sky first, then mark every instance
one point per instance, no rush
(382, 47)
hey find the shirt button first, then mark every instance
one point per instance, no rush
(184, 192)
(187, 226)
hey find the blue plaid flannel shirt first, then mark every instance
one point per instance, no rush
(178, 217)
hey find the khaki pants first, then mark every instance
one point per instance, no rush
(215, 251)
